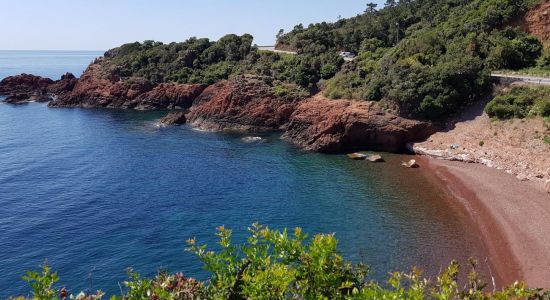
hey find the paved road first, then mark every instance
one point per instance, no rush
(508, 78)
(272, 49)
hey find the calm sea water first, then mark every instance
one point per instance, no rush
(97, 191)
(50, 64)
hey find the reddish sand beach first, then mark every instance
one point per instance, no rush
(512, 217)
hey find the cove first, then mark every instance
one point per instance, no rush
(97, 191)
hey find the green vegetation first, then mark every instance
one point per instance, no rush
(520, 102)
(425, 58)
(280, 265)
(206, 62)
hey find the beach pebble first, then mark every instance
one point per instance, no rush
(375, 158)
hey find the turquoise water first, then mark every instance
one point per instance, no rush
(97, 191)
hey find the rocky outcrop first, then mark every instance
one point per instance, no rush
(63, 86)
(95, 89)
(537, 21)
(168, 96)
(26, 87)
(335, 126)
(173, 118)
(244, 104)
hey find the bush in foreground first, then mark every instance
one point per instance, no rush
(279, 265)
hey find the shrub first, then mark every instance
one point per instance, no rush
(520, 102)
(280, 265)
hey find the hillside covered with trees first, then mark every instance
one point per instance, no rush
(422, 59)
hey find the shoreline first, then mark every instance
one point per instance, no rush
(510, 217)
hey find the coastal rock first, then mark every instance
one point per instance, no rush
(375, 158)
(169, 96)
(358, 156)
(336, 126)
(411, 164)
(64, 85)
(243, 104)
(95, 89)
(25, 87)
(173, 118)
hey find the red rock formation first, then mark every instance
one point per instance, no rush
(95, 89)
(336, 126)
(173, 118)
(24, 83)
(170, 96)
(63, 86)
(243, 103)
(537, 21)
(26, 87)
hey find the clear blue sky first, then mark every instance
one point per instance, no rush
(104, 24)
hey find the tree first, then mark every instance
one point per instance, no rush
(371, 8)
(280, 33)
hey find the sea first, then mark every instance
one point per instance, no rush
(94, 192)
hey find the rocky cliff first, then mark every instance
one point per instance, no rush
(95, 89)
(537, 21)
(336, 126)
(243, 103)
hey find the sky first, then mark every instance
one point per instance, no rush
(104, 24)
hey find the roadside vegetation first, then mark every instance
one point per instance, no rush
(425, 58)
(520, 102)
(541, 68)
(281, 265)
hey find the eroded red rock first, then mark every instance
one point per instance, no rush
(95, 89)
(243, 103)
(336, 126)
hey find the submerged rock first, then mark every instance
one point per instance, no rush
(252, 139)
(173, 118)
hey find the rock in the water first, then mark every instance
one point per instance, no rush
(22, 88)
(411, 164)
(173, 118)
(252, 139)
(241, 104)
(26, 87)
(336, 126)
(358, 156)
(375, 158)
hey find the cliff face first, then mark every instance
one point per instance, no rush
(95, 89)
(241, 104)
(537, 21)
(336, 126)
